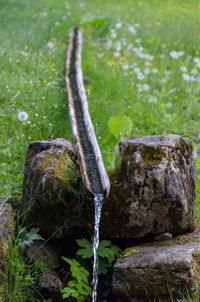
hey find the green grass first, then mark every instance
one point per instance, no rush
(34, 39)
(117, 37)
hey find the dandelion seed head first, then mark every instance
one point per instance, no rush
(22, 116)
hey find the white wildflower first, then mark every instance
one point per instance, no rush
(116, 54)
(125, 67)
(113, 35)
(137, 41)
(118, 46)
(109, 44)
(136, 69)
(50, 45)
(140, 76)
(22, 116)
(137, 25)
(186, 77)
(196, 60)
(174, 54)
(43, 14)
(154, 70)
(131, 29)
(169, 105)
(145, 87)
(183, 68)
(149, 57)
(194, 71)
(152, 99)
(118, 25)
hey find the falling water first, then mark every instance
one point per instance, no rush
(98, 201)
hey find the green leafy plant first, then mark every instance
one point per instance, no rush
(77, 288)
(26, 238)
(120, 126)
(107, 253)
(21, 275)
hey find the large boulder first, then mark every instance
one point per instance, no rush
(51, 189)
(6, 231)
(158, 270)
(152, 190)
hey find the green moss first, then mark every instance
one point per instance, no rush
(64, 168)
(129, 251)
(152, 155)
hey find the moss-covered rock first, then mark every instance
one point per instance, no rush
(152, 190)
(53, 191)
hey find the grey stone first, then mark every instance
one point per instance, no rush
(164, 236)
(6, 230)
(50, 283)
(41, 251)
(152, 190)
(51, 188)
(149, 272)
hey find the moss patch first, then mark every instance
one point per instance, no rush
(152, 155)
(129, 251)
(65, 168)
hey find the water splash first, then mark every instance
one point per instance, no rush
(98, 201)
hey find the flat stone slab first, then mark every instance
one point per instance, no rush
(144, 273)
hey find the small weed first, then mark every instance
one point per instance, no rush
(77, 288)
(22, 275)
(107, 253)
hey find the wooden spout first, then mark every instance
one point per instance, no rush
(93, 172)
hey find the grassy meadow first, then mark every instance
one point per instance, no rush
(141, 65)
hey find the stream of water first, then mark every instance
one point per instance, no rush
(98, 202)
